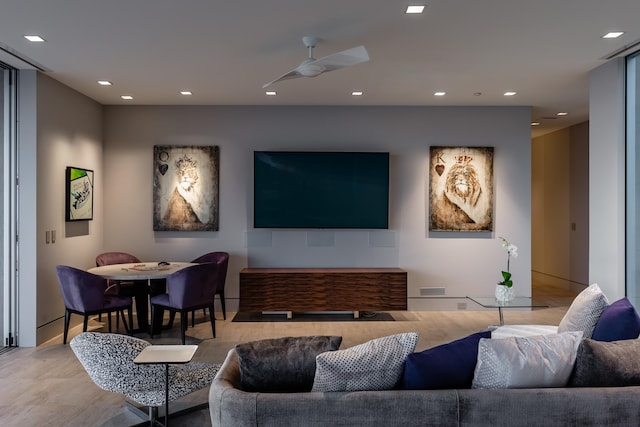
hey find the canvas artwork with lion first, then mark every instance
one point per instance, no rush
(185, 188)
(461, 189)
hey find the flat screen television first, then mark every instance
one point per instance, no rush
(296, 189)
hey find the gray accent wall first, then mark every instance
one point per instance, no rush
(462, 263)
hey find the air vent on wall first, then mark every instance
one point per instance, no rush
(626, 49)
(15, 59)
(431, 291)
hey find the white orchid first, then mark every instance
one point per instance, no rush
(512, 251)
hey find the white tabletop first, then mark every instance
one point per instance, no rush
(166, 354)
(138, 270)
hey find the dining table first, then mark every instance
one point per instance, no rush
(141, 271)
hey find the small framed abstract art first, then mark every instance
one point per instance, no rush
(185, 188)
(461, 189)
(79, 194)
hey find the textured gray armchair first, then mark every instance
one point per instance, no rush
(108, 359)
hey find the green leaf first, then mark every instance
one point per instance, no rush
(506, 276)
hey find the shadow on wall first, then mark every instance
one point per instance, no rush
(76, 228)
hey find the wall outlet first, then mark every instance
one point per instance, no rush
(431, 291)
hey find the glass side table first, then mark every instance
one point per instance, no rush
(165, 355)
(517, 302)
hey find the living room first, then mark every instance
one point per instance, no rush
(117, 140)
(62, 126)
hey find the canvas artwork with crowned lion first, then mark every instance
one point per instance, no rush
(461, 189)
(185, 188)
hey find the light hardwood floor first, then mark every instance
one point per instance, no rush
(47, 386)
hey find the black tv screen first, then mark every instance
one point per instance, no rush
(321, 190)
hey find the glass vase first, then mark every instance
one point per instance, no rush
(504, 293)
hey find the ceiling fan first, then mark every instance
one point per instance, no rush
(312, 67)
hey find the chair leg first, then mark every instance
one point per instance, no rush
(153, 320)
(119, 314)
(193, 318)
(184, 319)
(109, 315)
(130, 310)
(67, 316)
(172, 316)
(224, 310)
(85, 323)
(212, 318)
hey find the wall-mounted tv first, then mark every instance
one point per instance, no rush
(296, 189)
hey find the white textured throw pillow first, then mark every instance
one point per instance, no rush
(584, 312)
(375, 365)
(526, 362)
(507, 331)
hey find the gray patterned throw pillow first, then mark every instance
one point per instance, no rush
(375, 365)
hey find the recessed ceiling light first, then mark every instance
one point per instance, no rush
(613, 35)
(477, 93)
(357, 93)
(186, 92)
(270, 93)
(104, 83)
(562, 113)
(440, 93)
(34, 38)
(127, 97)
(415, 9)
(535, 123)
(510, 93)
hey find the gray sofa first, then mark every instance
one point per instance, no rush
(230, 406)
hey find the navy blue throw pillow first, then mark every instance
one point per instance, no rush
(446, 366)
(619, 321)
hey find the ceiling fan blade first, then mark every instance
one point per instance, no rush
(314, 67)
(289, 75)
(343, 59)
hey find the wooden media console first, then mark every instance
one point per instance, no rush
(322, 289)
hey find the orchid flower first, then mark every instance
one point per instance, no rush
(512, 251)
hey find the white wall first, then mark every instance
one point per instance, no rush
(69, 133)
(607, 178)
(462, 263)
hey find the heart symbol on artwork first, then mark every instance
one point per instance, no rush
(439, 169)
(163, 168)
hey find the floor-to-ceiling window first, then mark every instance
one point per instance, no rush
(633, 179)
(8, 190)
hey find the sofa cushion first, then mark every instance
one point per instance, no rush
(584, 312)
(446, 366)
(374, 365)
(282, 364)
(607, 364)
(526, 362)
(619, 321)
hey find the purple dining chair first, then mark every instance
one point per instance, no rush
(188, 289)
(83, 293)
(222, 259)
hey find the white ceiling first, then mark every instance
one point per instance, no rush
(224, 51)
